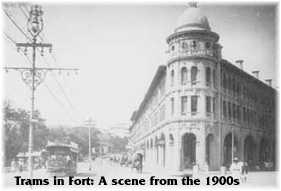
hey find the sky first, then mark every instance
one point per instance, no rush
(118, 48)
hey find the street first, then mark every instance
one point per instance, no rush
(111, 170)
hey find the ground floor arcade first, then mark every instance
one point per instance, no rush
(180, 146)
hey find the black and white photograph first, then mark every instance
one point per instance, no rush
(102, 94)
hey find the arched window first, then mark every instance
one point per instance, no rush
(208, 76)
(184, 75)
(172, 77)
(208, 45)
(194, 72)
(194, 44)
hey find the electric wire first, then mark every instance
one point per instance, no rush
(13, 44)
(55, 60)
(9, 15)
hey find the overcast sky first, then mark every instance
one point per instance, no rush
(118, 48)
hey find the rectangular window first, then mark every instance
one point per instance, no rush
(238, 113)
(184, 104)
(208, 76)
(229, 110)
(248, 116)
(224, 109)
(208, 105)
(214, 106)
(234, 111)
(194, 105)
(244, 115)
(251, 117)
(172, 106)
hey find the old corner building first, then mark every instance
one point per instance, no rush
(199, 101)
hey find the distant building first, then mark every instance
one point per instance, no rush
(197, 100)
(121, 130)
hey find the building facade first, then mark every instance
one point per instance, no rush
(202, 110)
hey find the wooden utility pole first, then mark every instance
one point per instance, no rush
(90, 124)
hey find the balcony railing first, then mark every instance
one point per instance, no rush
(194, 52)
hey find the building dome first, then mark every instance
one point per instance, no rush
(192, 19)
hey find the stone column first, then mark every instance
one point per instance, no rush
(160, 156)
(176, 165)
(155, 155)
(200, 149)
(170, 156)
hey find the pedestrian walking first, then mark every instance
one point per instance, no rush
(245, 170)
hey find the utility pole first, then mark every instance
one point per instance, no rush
(232, 143)
(90, 124)
(34, 76)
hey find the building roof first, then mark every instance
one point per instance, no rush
(227, 64)
(192, 19)
(133, 117)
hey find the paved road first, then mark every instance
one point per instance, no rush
(111, 171)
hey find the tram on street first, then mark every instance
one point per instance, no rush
(62, 158)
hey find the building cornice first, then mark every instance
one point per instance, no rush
(192, 33)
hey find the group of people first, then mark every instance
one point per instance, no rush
(21, 164)
(18, 165)
(67, 159)
(239, 170)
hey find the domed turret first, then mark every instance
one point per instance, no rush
(192, 19)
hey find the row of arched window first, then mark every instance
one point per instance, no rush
(193, 76)
(152, 143)
(184, 79)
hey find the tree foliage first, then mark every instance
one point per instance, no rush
(79, 135)
(16, 134)
(16, 131)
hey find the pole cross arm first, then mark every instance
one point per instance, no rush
(38, 74)
(34, 45)
(60, 69)
(27, 68)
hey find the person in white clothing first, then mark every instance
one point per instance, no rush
(236, 169)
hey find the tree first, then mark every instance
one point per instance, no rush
(119, 144)
(16, 131)
(79, 135)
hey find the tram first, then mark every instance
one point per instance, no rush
(62, 158)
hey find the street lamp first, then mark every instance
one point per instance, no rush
(35, 21)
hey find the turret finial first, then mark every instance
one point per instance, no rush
(192, 4)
